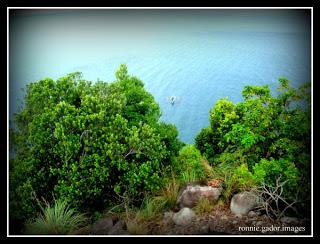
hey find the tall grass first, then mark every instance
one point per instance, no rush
(188, 176)
(152, 208)
(204, 206)
(137, 219)
(136, 227)
(207, 168)
(58, 219)
(170, 192)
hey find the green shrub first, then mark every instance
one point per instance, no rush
(88, 143)
(260, 139)
(269, 171)
(236, 178)
(188, 165)
(204, 141)
(244, 179)
(169, 136)
(58, 219)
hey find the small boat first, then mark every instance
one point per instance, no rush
(172, 99)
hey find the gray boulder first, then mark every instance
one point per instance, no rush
(252, 214)
(105, 227)
(102, 226)
(204, 229)
(224, 217)
(243, 202)
(190, 196)
(183, 217)
(259, 223)
(118, 229)
(289, 220)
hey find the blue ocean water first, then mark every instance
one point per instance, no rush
(199, 67)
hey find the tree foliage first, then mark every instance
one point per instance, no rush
(86, 143)
(262, 137)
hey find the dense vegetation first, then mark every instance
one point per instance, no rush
(91, 147)
(87, 143)
(261, 140)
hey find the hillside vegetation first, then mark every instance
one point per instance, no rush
(100, 148)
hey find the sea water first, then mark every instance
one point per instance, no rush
(196, 65)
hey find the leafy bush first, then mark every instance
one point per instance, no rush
(235, 178)
(87, 143)
(243, 178)
(188, 165)
(169, 136)
(58, 219)
(261, 138)
(204, 141)
(268, 171)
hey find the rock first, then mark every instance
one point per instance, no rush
(238, 216)
(289, 220)
(118, 229)
(167, 217)
(234, 222)
(204, 229)
(259, 223)
(102, 226)
(224, 217)
(114, 218)
(183, 217)
(190, 196)
(243, 202)
(252, 214)
(120, 232)
(259, 213)
(211, 224)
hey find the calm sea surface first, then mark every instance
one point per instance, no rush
(198, 67)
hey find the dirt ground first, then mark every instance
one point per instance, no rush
(221, 221)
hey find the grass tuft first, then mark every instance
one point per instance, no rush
(170, 192)
(58, 219)
(135, 227)
(204, 206)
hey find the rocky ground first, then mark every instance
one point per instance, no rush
(236, 218)
(223, 222)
